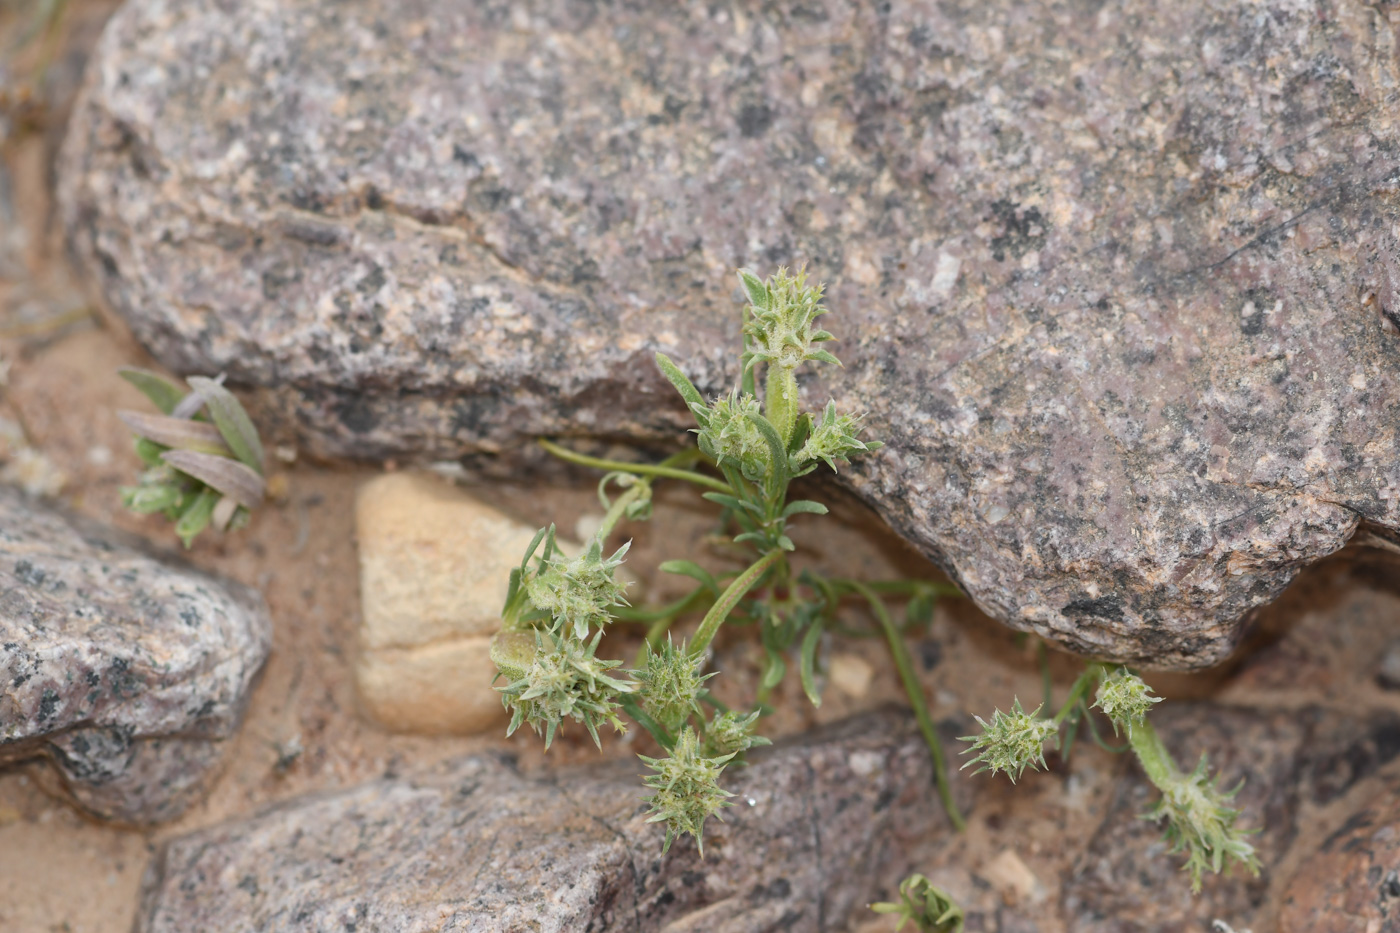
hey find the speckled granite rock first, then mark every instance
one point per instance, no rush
(1126, 883)
(477, 846)
(1118, 283)
(1351, 884)
(125, 673)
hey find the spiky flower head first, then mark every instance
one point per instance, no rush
(577, 594)
(1011, 741)
(558, 677)
(931, 908)
(731, 733)
(780, 329)
(687, 789)
(1201, 823)
(1126, 699)
(729, 435)
(833, 438)
(669, 683)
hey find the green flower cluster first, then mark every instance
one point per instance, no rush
(780, 330)
(730, 734)
(687, 790)
(1201, 823)
(1011, 742)
(1125, 699)
(557, 677)
(579, 594)
(669, 684)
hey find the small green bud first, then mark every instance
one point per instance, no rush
(687, 789)
(731, 734)
(780, 329)
(834, 438)
(1201, 823)
(1011, 742)
(1126, 699)
(560, 679)
(668, 685)
(730, 437)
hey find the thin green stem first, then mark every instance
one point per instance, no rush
(905, 666)
(709, 626)
(780, 399)
(1081, 688)
(650, 616)
(619, 509)
(640, 469)
(1156, 761)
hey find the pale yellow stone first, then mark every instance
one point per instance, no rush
(434, 562)
(434, 567)
(850, 674)
(1013, 879)
(441, 688)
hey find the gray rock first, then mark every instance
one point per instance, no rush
(125, 673)
(476, 845)
(1118, 283)
(1125, 882)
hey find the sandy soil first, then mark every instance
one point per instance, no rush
(58, 358)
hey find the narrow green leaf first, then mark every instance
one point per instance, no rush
(632, 708)
(693, 570)
(163, 393)
(804, 506)
(785, 543)
(809, 662)
(775, 671)
(530, 551)
(822, 356)
(232, 421)
(733, 502)
(754, 288)
(780, 474)
(678, 379)
(196, 516)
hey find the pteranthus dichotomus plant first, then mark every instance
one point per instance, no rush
(752, 442)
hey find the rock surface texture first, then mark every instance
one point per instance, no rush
(476, 845)
(1352, 883)
(435, 564)
(1118, 281)
(125, 673)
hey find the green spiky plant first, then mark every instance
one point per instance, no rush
(1199, 818)
(751, 444)
(203, 457)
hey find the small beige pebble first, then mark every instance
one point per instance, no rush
(1012, 878)
(851, 675)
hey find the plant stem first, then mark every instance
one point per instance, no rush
(619, 509)
(650, 616)
(709, 626)
(1156, 761)
(640, 469)
(912, 687)
(1079, 691)
(780, 399)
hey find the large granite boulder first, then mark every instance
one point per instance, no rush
(1117, 282)
(475, 845)
(126, 673)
